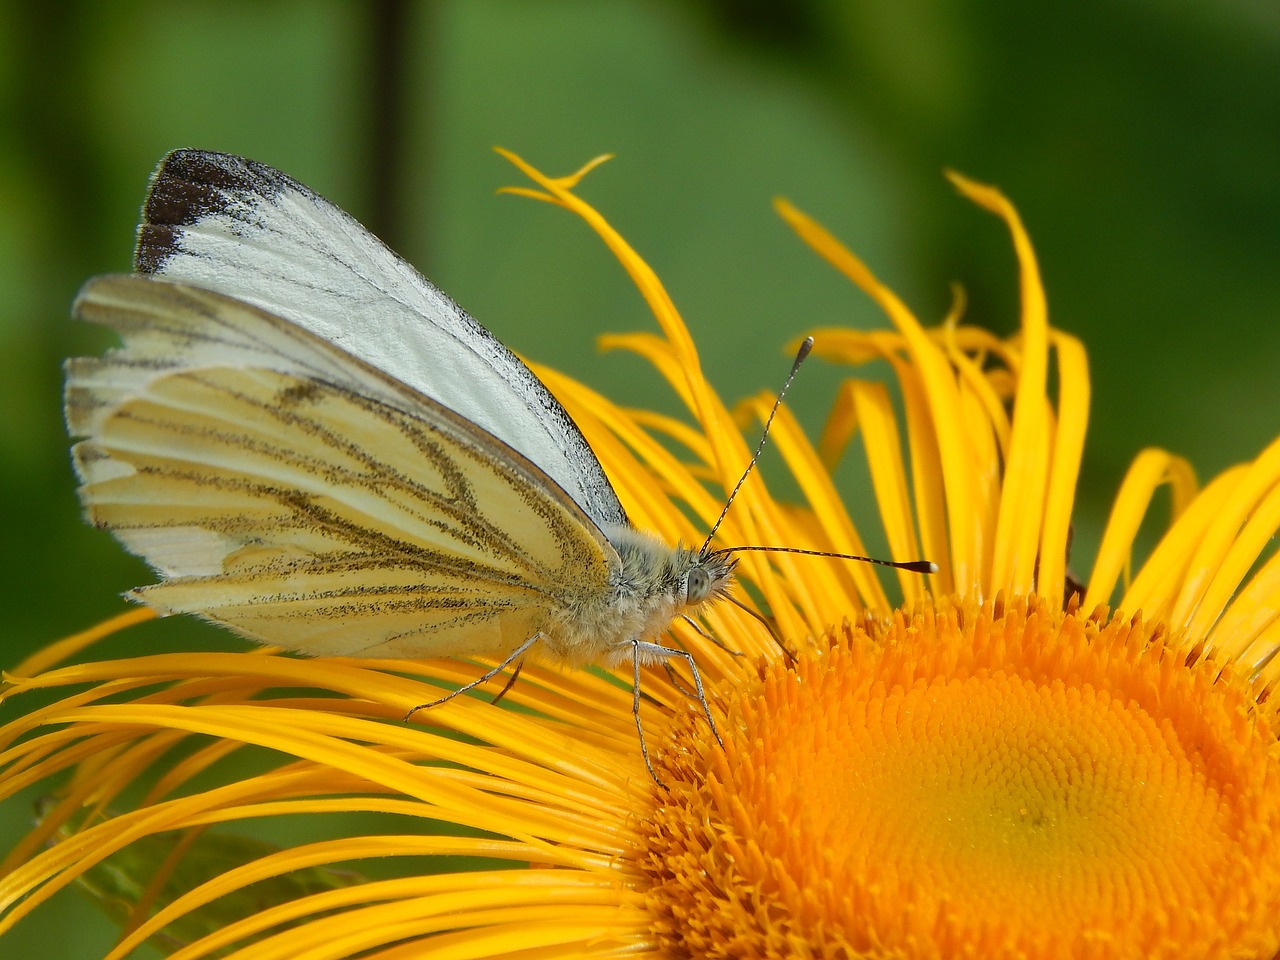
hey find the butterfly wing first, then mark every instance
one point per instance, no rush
(247, 230)
(304, 498)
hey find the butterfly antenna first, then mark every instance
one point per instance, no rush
(803, 352)
(914, 566)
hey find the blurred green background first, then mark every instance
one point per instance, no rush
(1140, 140)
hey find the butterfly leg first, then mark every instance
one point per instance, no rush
(656, 650)
(511, 682)
(768, 624)
(675, 679)
(711, 638)
(515, 655)
(635, 711)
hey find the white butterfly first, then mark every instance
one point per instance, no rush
(315, 447)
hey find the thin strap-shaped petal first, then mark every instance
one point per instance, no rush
(922, 443)
(727, 447)
(498, 931)
(624, 462)
(930, 484)
(1149, 470)
(937, 386)
(651, 288)
(329, 852)
(840, 533)
(1064, 469)
(1017, 537)
(889, 480)
(973, 378)
(1233, 574)
(68, 647)
(753, 500)
(1220, 539)
(986, 459)
(856, 347)
(840, 426)
(1249, 630)
(34, 881)
(658, 353)
(1165, 571)
(337, 741)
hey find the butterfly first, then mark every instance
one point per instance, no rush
(316, 448)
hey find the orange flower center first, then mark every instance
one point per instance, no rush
(1007, 783)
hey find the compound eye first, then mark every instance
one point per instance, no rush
(697, 585)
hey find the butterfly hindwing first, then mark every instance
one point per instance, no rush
(302, 498)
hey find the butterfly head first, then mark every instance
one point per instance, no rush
(655, 583)
(709, 575)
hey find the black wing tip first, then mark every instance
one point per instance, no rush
(189, 185)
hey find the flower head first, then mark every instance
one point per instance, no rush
(993, 763)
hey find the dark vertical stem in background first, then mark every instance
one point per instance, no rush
(53, 136)
(52, 147)
(389, 48)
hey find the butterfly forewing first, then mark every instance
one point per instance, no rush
(304, 499)
(169, 326)
(247, 230)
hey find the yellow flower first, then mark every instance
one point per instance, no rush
(995, 766)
